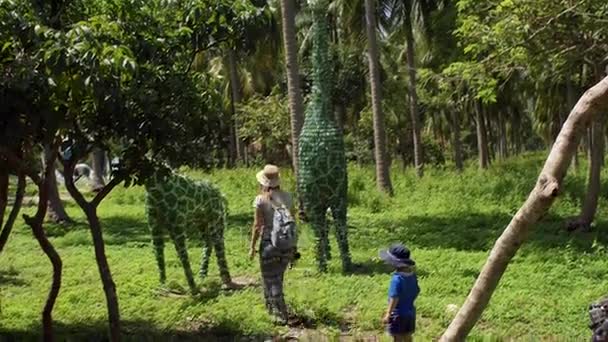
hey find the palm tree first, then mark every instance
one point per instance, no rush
(296, 108)
(407, 13)
(383, 179)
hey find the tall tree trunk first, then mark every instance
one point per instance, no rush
(502, 138)
(571, 98)
(489, 133)
(456, 143)
(515, 132)
(413, 96)
(56, 210)
(541, 198)
(296, 108)
(235, 88)
(383, 179)
(12, 217)
(98, 166)
(482, 139)
(593, 183)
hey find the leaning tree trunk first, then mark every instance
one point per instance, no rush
(235, 88)
(98, 166)
(413, 100)
(539, 201)
(482, 139)
(56, 211)
(593, 184)
(383, 179)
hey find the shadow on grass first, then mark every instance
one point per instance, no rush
(11, 277)
(473, 232)
(135, 331)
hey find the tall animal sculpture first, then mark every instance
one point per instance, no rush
(322, 174)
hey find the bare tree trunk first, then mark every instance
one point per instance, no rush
(413, 101)
(383, 179)
(12, 217)
(593, 184)
(235, 87)
(489, 135)
(456, 140)
(97, 181)
(539, 201)
(296, 108)
(482, 139)
(571, 98)
(56, 211)
(502, 138)
(90, 210)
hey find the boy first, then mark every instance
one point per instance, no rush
(400, 316)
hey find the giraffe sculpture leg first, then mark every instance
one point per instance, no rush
(318, 222)
(179, 240)
(207, 246)
(220, 253)
(159, 243)
(339, 214)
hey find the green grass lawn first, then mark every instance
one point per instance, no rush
(449, 221)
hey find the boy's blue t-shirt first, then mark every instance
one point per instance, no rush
(405, 287)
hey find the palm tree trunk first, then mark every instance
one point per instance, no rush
(383, 179)
(482, 139)
(539, 201)
(296, 108)
(99, 162)
(571, 98)
(413, 96)
(235, 87)
(456, 143)
(593, 184)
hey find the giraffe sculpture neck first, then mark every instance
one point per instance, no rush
(319, 109)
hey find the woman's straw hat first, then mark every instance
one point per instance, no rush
(269, 176)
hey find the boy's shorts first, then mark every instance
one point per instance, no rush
(401, 325)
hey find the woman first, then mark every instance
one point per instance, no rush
(272, 263)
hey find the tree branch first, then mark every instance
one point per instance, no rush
(68, 174)
(106, 190)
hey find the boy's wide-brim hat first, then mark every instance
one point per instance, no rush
(397, 256)
(269, 176)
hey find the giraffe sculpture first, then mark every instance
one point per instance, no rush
(322, 175)
(182, 207)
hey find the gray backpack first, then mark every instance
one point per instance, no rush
(283, 235)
